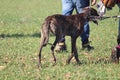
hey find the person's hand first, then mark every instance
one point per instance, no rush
(93, 2)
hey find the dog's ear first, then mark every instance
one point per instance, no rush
(86, 10)
(95, 21)
(93, 12)
(90, 13)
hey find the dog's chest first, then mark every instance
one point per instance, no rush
(73, 31)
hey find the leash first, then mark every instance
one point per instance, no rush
(106, 17)
(103, 17)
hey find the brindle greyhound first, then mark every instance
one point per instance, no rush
(61, 25)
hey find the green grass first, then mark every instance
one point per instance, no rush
(20, 22)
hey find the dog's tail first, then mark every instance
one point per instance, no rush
(44, 38)
(45, 33)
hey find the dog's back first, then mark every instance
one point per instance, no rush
(67, 25)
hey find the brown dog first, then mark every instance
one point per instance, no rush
(115, 55)
(61, 26)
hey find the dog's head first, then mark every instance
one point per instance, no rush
(91, 12)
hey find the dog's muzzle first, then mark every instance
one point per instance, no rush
(101, 8)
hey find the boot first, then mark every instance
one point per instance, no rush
(87, 46)
(61, 46)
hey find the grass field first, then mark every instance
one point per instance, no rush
(20, 22)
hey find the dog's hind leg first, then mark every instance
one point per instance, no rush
(44, 41)
(39, 59)
(40, 50)
(53, 47)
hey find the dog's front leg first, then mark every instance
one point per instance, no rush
(69, 58)
(39, 57)
(40, 51)
(73, 51)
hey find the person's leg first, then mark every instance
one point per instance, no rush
(81, 4)
(85, 35)
(67, 9)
